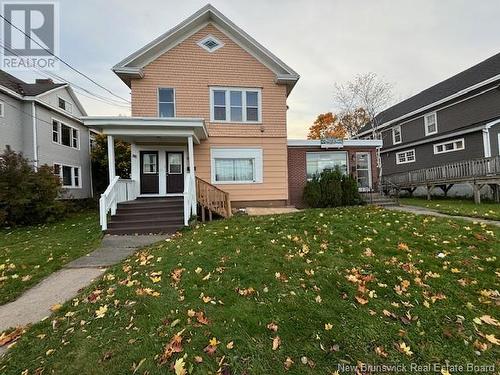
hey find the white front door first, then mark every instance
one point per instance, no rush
(364, 171)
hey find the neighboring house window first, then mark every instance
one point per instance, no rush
(64, 104)
(235, 105)
(69, 175)
(231, 166)
(166, 102)
(450, 146)
(404, 157)
(210, 43)
(65, 135)
(430, 121)
(396, 134)
(317, 162)
(2, 109)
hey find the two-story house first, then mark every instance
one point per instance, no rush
(208, 129)
(454, 121)
(42, 120)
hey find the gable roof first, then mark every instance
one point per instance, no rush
(487, 71)
(27, 89)
(132, 66)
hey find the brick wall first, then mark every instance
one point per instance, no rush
(297, 171)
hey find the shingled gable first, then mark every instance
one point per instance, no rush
(132, 66)
(487, 72)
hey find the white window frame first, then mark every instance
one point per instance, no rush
(238, 153)
(215, 39)
(454, 142)
(59, 137)
(329, 153)
(2, 109)
(158, 99)
(244, 91)
(73, 167)
(398, 128)
(68, 105)
(426, 123)
(405, 153)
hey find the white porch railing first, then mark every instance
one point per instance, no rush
(119, 190)
(189, 198)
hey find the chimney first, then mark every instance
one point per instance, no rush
(44, 80)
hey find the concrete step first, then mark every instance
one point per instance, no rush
(147, 215)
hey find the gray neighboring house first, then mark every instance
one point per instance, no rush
(42, 120)
(455, 120)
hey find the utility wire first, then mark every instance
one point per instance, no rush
(57, 77)
(64, 62)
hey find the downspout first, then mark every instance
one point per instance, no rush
(35, 135)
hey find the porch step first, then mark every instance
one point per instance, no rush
(144, 216)
(377, 199)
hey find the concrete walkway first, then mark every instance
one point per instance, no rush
(424, 211)
(34, 304)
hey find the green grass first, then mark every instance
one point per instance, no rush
(288, 260)
(460, 207)
(28, 254)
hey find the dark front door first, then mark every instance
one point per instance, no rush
(175, 172)
(149, 172)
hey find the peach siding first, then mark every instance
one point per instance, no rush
(191, 70)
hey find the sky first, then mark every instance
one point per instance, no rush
(408, 43)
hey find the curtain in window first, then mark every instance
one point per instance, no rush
(234, 170)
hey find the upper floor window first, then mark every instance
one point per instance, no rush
(2, 109)
(450, 146)
(210, 43)
(65, 135)
(430, 122)
(235, 105)
(65, 105)
(396, 134)
(166, 102)
(404, 157)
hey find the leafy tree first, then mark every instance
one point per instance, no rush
(326, 125)
(352, 121)
(100, 161)
(27, 196)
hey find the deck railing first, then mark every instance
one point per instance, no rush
(119, 190)
(448, 173)
(212, 198)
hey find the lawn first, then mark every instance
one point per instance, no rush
(296, 294)
(460, 207)
(28, 254)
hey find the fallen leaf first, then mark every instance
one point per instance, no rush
(179, 367)
(101, 311)
(288, 363)
(174, 346)
(55, 307)
(276, 342)
(491, 338)
(6, 338)
(197, 358)
(490, 320)
(272, 327)
(328, 326)
(361, 300)
(230, 345)
(380, 351)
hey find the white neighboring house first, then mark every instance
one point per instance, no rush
(42, 120)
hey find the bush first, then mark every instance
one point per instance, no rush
(331, 189)
(27, 196)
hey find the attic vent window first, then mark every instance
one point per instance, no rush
(210, 43)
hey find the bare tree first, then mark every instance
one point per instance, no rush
(366, 93)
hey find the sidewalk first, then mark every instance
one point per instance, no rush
(424, 211)
(34, 304)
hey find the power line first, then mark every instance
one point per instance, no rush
(53, 75)
(64, 62)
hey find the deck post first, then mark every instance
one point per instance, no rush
(111, 158)
(477, 193)
(429, 189)
(496, 193)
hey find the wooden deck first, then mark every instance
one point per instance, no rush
(477, 172)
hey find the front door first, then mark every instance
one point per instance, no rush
(149, 172)
(175, 172)
(364, 171)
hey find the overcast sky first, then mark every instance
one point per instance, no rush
(411, 44)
